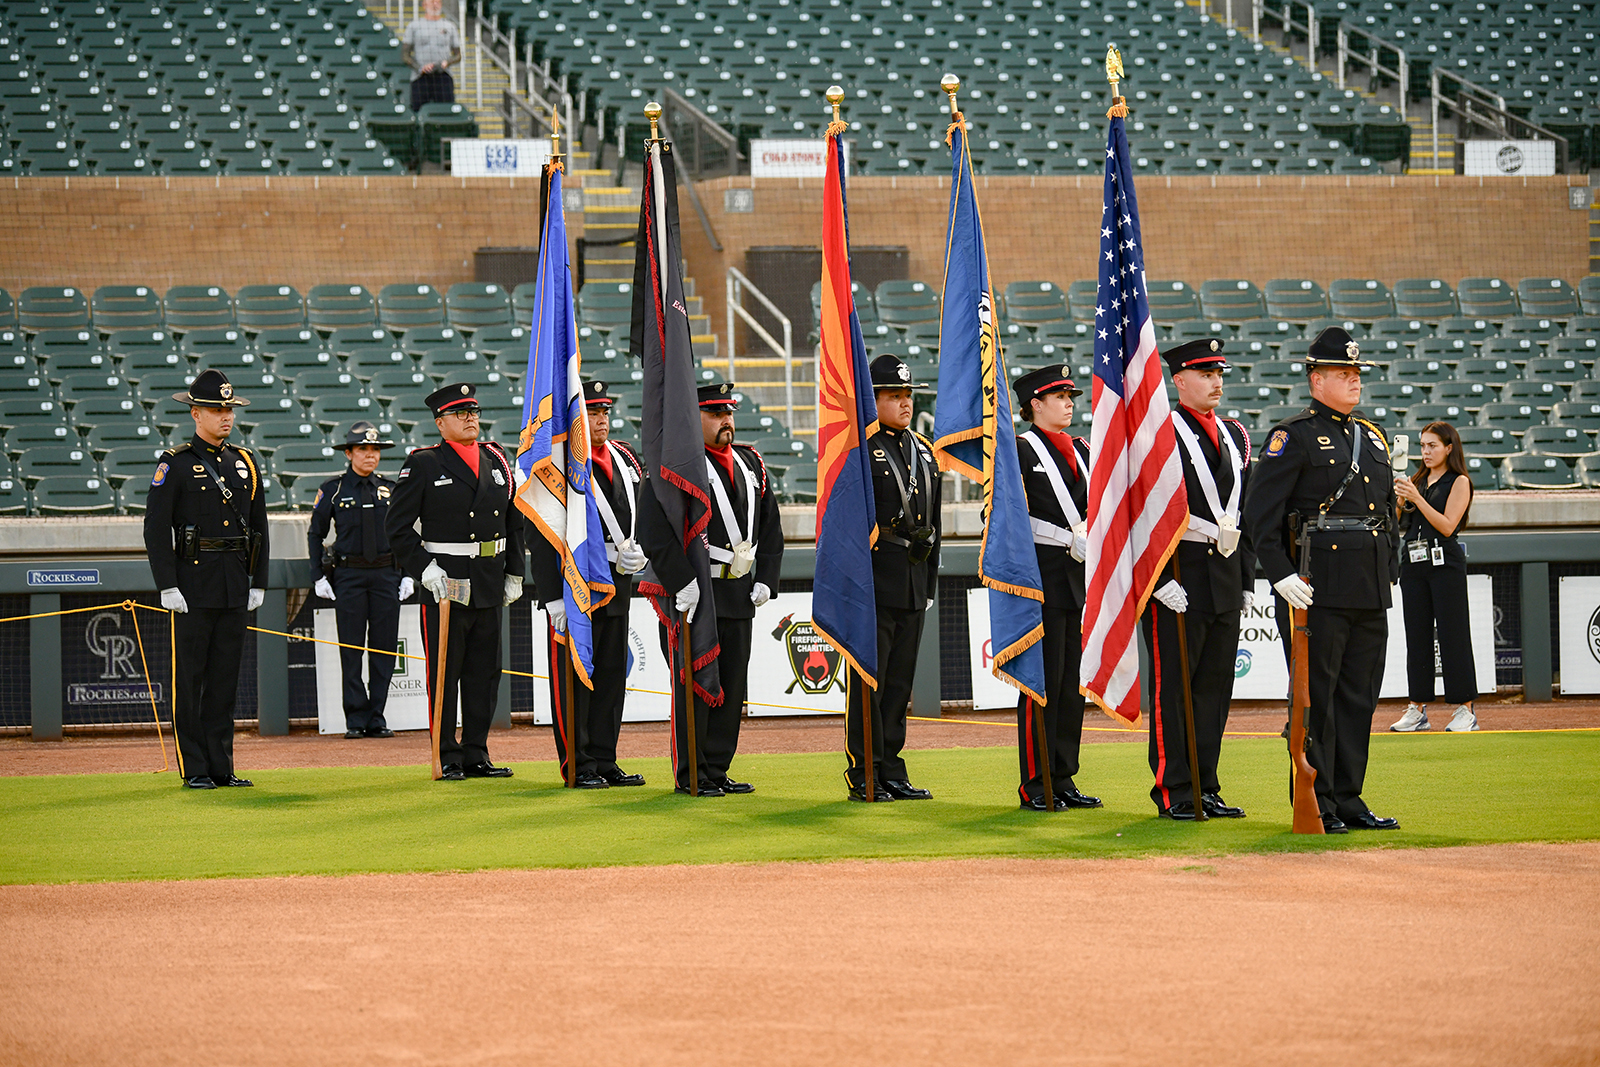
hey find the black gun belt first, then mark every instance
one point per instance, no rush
(1332, 525)
(222, 544)
(385, 560)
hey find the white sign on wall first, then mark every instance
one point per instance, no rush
(771, 158)
(1580, 635)
(649, 691)
(1488, 159)
(408, 687)
(485, 158)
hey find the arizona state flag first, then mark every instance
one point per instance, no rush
(843, 603)
(973, 435)
(556, 479)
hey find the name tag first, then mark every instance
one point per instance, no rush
(444, 481)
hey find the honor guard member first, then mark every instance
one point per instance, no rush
(1324, 482)
(597, 713)
(1055, 473)
(359, 574)
(745, 536)
(460, 493)
(905, 574)
(205, 529)
(1211, 586)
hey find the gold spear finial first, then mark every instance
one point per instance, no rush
(951, 85)
(555, 133)
(652, 111)
(1115, 74)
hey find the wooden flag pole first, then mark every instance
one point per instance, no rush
(1188, 705)
(686, 649)
(1044, 754)
(438, 684)
(572, 716)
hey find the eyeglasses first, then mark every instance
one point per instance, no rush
(470, 413)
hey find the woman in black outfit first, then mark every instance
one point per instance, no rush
(1433, 580)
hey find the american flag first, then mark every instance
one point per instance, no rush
(1138, 508)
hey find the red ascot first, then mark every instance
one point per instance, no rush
(601, 455)
(1208, 419)
(468, 454)
(724, 458)
(1063, 444)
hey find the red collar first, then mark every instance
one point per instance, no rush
(1063, 444)
(724, 459)
(468, 454)
(1207, 419)
(602, 459)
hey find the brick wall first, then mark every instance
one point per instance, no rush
(1194, 228)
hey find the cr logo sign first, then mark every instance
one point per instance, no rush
(104, 637)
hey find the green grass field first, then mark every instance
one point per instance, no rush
(1446, 790)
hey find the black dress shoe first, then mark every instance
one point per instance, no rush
(619, 777)
(376, 731)
(1368, 821)
(590, 781)
(879, 793)
(452, 772)
(486, 770)
(199, 781)
(1331, 824)
(351, 735)
(233, 780)
(728, 785)
(1216, 809)
(1074, 799)
(706, 790)
(1038, 804)
(901, 789)
(1182, 811)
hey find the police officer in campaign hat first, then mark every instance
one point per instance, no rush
(205, 529)
(1205, 588)
(597, 713)
(359, 574)
(905, 574)
(1055, 473)
(1323, 485)
(461, 491)
(745, 535)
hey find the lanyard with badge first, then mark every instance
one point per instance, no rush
(1226, 529)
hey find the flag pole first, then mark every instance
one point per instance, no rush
(686, 649)
(572, 718)
(438, 683)
(1188, 704)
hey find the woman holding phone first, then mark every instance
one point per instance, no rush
(1433, 580)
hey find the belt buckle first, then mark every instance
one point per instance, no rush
(486, 549)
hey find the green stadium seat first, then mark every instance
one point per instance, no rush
(471, 306)
(311, 461)
(1530, 327)
(292, 359)
(399, 383)
(1525, 470)
(1548, 297)
(1035, 302)
(32, 435)
(94, 411)
(329, 307)
(1194, 329)
(73, 494)
(507, 344)
(1569, 441)
(403, 306)
(1589, 294)
(1400, 395)
(1516, 349)
(89, 384)
(334, 410)
(1273, 414)
(800, 483)
(1411, 331)
(133, 463)
(129, 433)
(262, 307)
(1491, 442)
(1465, 327)
(438, 122)
(1419, 415)
(8, 310)
(194, 307)
(428, 338)
(139, 351)
(1471, 395)
(342, 342)
(1487, 368)
(1250, 399)
(449, 361)
(1231, 300)
(1584, 414)
(397, 130)
(1173, 301)
(366, 360)
(905, 303)
(1511, 416)
(1585, 348)
(125, 307)
(1363, 299)
(270, 434)
(1429, 299)
(1280, 372)
(49, 307)
(1484, 473)
(48, 460)
(1488, 298)
(310, 384)
(60, 363)
(1542, 395)
(1081, 296)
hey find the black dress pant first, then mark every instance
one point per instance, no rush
(899, 638)
(471, 676)
(596, 715)
(1437, 597)
(1347, 648)
(437, 87)
(367, 607)
(716, 729)
(1062, 712)
(208, 643)
(1213, 650)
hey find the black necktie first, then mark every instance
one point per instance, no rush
(369, 520)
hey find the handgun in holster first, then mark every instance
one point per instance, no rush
(255, 549)
(191, 543)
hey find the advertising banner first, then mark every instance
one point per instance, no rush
(1487, 159)
(1580, 635)
(770, 158)
(408, 686)
(649, 694)
(484, 158)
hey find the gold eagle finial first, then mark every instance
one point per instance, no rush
(1114, 72)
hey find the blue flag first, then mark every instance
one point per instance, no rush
(553, 464)
(973, 435)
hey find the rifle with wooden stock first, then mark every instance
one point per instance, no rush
(1302, 776)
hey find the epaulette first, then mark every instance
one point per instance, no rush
(1375, 428)
(1245, 434)
(921, 438)
(761, 464)
(1300, 416)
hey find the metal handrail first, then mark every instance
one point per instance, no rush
(514, 109)
(1259, 9)
(686, 179)
(679, 113)
(1473, 105)
(1402, 75)
(737, 285)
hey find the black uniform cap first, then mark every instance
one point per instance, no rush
(1334, 347)
(890, 372)
(718, 398)
(211, 390)
(1202, 354)
(1041, 382)
(364, 433)
(453, 398)
(595, 394)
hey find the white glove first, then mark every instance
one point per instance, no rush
(760, 594)
(1295, 591)
(433, 579)
(929, 605)
(323, 588)
(688, 599)
(1080, 542)
(407, 587)
(1249, 602)
(513, 589)
(630, 557)
(172, 600)
(557, 609)
(1173, 596)
(257, 597)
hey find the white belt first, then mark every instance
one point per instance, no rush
(1196, 535)
(1048, 533)
(466, 548)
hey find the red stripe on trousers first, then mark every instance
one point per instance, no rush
(1155, 710)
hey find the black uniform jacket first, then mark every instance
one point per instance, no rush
(341, 502)
(897, 582)
(1062, 575)
(664, 545)
(1215, 583)
(438, 488)
(547, 562)
(1306, 457)
(183, 494)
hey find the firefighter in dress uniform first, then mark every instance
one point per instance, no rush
(1324, 482)
(359, 574)
(1214, 586)
(205, 530)
(618, 473)
(460, 491)
(745, 536)
(905, 573)
(1055, 473)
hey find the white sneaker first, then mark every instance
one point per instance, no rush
(1413, 721)
(1464, 721)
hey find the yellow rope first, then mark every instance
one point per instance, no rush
(149, 687)
(340, 644)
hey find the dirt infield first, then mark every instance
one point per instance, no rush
(102, 754)
(1446, 956)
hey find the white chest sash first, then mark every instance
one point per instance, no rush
(740, 539)
(623, 471)
(1209, 531)
(1047, 533)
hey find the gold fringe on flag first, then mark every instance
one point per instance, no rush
(956, 119)
(1119, 108)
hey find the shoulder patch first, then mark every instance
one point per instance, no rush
(161, 474)
(405, 472)
(318, 502)
(1276, 442)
